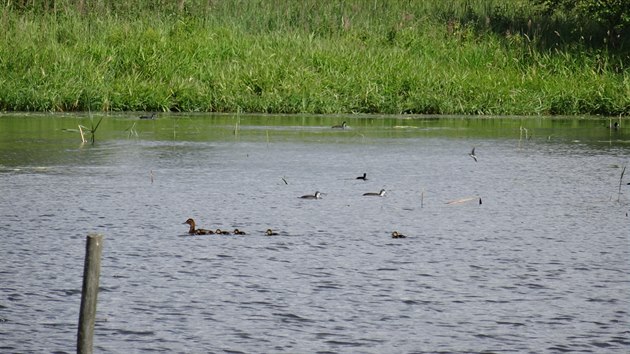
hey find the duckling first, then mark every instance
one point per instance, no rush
(239, 232)
(317, 195)
(364, 177)
(269, 232)
(193, 231)
(379, 194)
(341, 126)
(221, 232)
(395, 234)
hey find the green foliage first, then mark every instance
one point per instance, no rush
(280, 56)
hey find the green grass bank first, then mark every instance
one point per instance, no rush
(308, 56)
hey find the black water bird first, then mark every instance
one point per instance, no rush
(372, 194)
(341, 126)
(269, 232)
(152, 116)
(472, 154)
(364, 177)
(317, 195)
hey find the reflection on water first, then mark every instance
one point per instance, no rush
(541, 266)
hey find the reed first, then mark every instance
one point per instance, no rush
(621, 183)
(281, 56)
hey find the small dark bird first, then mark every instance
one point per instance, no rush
(341, 126)
(317, 195)
(614, 126)
(269, 232)
(364, 177)
(480, 201)
(239, 232)
(152, 116)
(472, 154)
(221, 232)
(395, 234)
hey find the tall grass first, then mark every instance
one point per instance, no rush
(281, 56)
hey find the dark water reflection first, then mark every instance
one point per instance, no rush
(543, 265)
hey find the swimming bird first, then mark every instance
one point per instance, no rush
(152, 116)
(317, 195)
(614, 126)
(395, 234)
(269, 232)
(194, 231)
(472, 154)
(372, 194)
(341, 126)
(364, 177)
(239, 232)
(221, 232)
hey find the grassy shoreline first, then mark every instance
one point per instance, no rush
(298, 59)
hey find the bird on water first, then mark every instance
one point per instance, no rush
(317, 195)
(364, 177)
(395, 234)
(341, 126)
(372, 194)
(472, 154)
(194, 231)
(152, 116)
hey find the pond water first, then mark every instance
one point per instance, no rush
(542, 265)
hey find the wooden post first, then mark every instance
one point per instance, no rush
(91, 273)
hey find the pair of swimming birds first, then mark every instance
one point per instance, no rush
(318, 195)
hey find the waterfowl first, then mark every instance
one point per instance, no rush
(221, 232)
(364, 177)
(341, 126)
(269, 232)
(395, 234)
(317, 195)
(194, 231)
(239, 232)
(379, 194)
(472, 154)
(614, 126)
(152, 116)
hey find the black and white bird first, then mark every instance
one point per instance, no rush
(472, 154)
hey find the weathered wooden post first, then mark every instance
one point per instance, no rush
(91, 273)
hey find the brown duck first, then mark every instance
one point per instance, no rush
(194, 231)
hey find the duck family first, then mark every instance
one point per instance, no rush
(193, 230)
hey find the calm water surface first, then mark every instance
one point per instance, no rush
(542, 265)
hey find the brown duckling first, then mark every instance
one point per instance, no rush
(221, 232)
(194, 231)
(395, 234)
(269, 232)
(239, 232)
